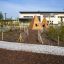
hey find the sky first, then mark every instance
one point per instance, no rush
(13, 7)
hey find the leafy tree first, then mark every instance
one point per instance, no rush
(1, 16)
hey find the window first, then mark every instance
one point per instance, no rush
(48, 21)
(52, 21)
(28, 16)
(51, 16)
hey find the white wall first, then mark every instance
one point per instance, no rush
(22, 15)
(55, 19)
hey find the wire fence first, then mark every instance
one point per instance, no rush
(19, 32)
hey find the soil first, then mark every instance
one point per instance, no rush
(32, 37)
(11, 36)
(21, 57)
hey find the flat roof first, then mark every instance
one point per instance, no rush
(41, 12)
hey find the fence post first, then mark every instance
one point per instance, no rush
(2, 36)
(58, 40)
(39, 37)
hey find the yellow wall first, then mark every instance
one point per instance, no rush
(35, 24)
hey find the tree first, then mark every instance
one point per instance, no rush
(1, 16)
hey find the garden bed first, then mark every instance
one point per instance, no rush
(19, 57)
(32, 37)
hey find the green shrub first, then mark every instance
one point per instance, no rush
(53, 33)
(61, 33)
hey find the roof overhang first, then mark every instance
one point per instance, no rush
(40, 12)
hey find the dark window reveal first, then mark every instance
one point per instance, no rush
(47, 24)
(36, 25)
(44, 25)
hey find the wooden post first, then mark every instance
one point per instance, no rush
(20, 38)
(2, 30)
(49, 18)
(39, 37)
(2, 35)
(58, 40)
(20, 33)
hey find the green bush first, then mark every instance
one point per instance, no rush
(61, 33)
(53, 33)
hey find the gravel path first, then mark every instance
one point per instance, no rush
(36, 48)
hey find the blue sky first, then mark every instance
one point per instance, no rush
(12, 7)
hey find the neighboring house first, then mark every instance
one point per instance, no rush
(53, 17)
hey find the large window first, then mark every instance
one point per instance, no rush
(28, 16)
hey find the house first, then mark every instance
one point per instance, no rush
(53, 17)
